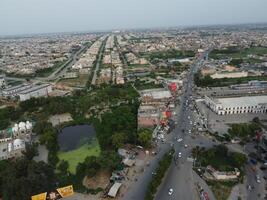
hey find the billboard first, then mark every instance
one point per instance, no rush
(56, 194)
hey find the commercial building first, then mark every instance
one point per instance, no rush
(237, 105)
(155, 104)
(36, 91)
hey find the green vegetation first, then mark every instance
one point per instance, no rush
(219, 157)
(47, 71)
(143, 85)
(221, 190)
(245, 131)
(235, 52)
(21, 178)
(172, 53)
(112, 110)
(78, 155)
(207, 81)
(144, 137)
(160, 172)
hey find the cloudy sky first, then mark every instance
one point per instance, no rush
(46, 16)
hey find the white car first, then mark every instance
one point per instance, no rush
(170, 191)
(179, 155)
(180, 140)
(189, 131)
(191, 122)
(185, 145)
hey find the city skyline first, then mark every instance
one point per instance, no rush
(31, 17)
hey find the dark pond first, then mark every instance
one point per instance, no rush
(72, 137)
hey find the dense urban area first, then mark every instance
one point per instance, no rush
(176, 113)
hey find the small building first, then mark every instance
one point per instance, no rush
(114, 189)
(237, 105)
(219, 175)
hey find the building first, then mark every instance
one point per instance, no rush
(148, 116)
(156, 97)
(13, 91)
(219, 175)
(251, 85)
(13, 141)
(35, 91)
(237, 105)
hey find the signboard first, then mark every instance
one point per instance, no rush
(59, 193)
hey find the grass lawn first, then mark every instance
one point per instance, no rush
(75, 82)
(78, 155)
(221, 190)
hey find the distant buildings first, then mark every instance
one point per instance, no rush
(237, 105)
(2, 81)
(27, 91)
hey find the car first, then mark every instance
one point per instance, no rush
(180, 140)
(179, 155)
(170, 191)
(154, 173)
(191, 122)
(185, 145)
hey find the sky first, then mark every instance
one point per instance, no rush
(48, 16)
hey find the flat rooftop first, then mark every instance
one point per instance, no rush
(242, 101)
(156, 93)
(34, 88)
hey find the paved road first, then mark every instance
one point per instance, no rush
(179, 176)
(98, 62)
(176, 173)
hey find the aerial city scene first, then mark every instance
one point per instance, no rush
(133, 100)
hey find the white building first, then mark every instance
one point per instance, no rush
(237, 105)
(36, 91)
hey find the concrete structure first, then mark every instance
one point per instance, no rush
(237, 105)
(36, 91)
(251, 85)
(114, 189)
(148, 116)
(156, 96)
(13, 91)
(218, 175)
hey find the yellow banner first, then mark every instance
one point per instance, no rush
(41, 196)
(66, 191)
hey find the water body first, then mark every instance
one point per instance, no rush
(72, 137)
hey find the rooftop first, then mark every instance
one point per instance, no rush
(242, 101)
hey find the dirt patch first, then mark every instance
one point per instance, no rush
(100, 180)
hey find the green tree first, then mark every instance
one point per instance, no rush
(144, 137)
(63, 166)
(118, 139)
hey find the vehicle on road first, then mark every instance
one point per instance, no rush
(185, 145)
(180, 140)
(170, 191)
(179, 155)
